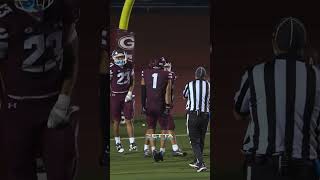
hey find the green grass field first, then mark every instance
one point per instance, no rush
(133, 166)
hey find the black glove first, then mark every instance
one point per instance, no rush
(166, 111)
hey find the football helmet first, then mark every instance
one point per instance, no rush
(119, 57)
(157, 63)
(33, 6)
(167, 66)
(162, 61)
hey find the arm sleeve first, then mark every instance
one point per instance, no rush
(143, 93)
(186, 91)
(242, 96)
(110, 71)
(5, 10)
(4, 44)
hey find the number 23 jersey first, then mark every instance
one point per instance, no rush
(121, 77)
(32, 65)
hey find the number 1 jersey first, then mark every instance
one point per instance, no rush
(31, 49)
(156, 81)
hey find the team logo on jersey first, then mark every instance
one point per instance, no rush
(4, 10)
(126, 42)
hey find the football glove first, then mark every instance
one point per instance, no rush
(59, 116)
(128, 97)
(166, 111)
(144, 110)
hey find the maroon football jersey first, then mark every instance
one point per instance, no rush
(121, 77)
(34, 58)
(156, 81)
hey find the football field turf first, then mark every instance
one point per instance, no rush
(133, 166)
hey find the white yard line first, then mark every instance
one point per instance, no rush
(142, 137)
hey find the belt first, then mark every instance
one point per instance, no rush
(198, 112)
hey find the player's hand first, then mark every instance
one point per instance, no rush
(166, 111)
(144, 110)
(128, 97)
(59, 116)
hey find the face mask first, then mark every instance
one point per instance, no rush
(33, 6)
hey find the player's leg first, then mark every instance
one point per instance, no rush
(195, 136)
(60, 151)
(40, 166)
(146, 149)
(163, 122)
(176, 151)
(163, 141)
(129, 115)
(18, 139)
(116, 108)
(151, 123)
(203, 126)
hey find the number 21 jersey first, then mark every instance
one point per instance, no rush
(32, 49)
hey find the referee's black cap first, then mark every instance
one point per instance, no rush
(290, 34)
(200, 73)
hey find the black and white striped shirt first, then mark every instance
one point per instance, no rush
(282, 98)
(198, 94)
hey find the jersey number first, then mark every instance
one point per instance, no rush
(42, 44)
(124, 78)
(155, 80)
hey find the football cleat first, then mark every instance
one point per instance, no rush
(193, 164)
(155, 155)
(160, 155)
(201, 167)
(179, 153)
(146, 153)
(133, 147)
(119, 148)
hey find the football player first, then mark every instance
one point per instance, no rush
(156, 101)
(176, 151)
(122, 98)
(38, 62)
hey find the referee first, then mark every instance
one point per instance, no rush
(281, 99)
(197, 93)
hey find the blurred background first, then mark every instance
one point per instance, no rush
(242, 37)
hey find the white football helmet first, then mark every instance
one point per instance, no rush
(33, 6)
(119, 57)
